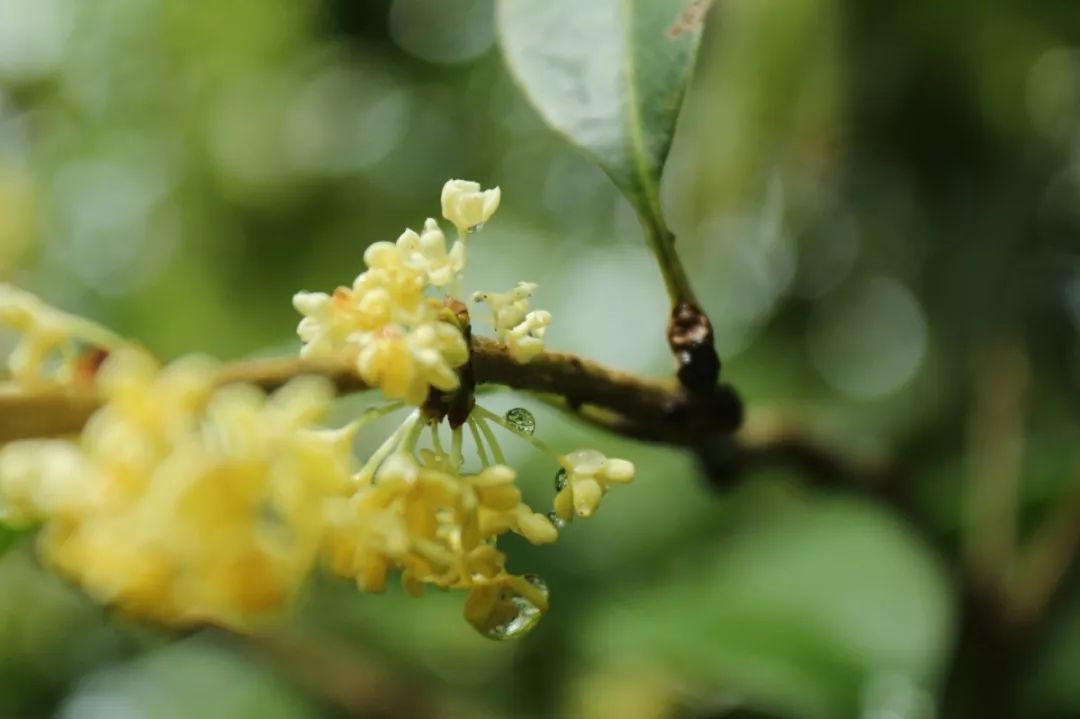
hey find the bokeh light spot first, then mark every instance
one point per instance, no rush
(1053, 92)
(869, 342)
(32, 35)
(441, 31)
(343, 120)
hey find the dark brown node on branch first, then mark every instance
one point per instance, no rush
(718, 410)
(726, 407)
(455, 406)
(88, 363)
(690, 337)
(464, 397)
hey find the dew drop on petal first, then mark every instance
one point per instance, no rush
(514, 615)
(537, 581)
(522, 420)
(556, 520)
(560, 479)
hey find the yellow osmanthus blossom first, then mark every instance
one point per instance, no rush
(50, 341)
(414, 510)
(186, 502)
(508, 309)
(586, 477)
(427, 251)
(398, 339)
(183, 503)
(467, 206)
(438, 526)
(40, 478)
(522, 331)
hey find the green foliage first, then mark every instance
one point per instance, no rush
(609, 75)
(190, 678)
(7, 538)
(188, 164)
(807, 615)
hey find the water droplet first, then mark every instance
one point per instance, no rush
(537, 581)
(560, 479)
(522, 420)
(512, 613)
(476, 228)
(555, 519)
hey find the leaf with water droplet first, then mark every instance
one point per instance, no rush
(522, 420)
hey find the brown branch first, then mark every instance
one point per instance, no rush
(995, 453)
(633, 405)
(1043, 565)
(646, 408)
(44, 412)
(636, 406)
(817, 462)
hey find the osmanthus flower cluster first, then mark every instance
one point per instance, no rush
(187, 501)
(179, 502)
(52, 344)
(420, 511)
(521, 330)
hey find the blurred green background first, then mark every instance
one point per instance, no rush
(877, 203)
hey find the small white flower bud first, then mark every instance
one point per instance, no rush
(467, 206)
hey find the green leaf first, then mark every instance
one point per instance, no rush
(8, 538)
(805, 617)
(609, 75)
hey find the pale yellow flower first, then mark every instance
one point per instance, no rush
(526, 340)
(406, 365)
(437, 527)
(49, 339)
(180, 502)
(588, 476)
(398, 339)
(427, 250)
(522, 331)
(467, 206)
(40, 479)
(326, 325)
(190, 503)
(508, 309)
